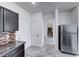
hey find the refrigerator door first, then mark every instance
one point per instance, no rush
(69, 43)
(70, 29)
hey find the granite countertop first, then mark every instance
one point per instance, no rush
(4, 49)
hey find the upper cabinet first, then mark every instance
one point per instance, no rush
(1, 19)
(8, 20)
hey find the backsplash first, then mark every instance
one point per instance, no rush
(7, 37)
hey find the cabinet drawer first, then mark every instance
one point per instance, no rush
(15, 51)
(20, 54)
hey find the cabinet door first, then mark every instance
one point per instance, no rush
(10, 20)
(20, 54)
(17, 52)
(1, 19)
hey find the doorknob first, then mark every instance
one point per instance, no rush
(37, 35)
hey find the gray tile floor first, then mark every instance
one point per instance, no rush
(45, 51)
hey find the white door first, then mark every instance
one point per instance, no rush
(36, 33)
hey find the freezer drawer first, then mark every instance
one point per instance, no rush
(69, 43)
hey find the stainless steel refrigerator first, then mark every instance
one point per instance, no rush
(68, 38)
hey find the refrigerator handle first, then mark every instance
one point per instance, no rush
(77, 37)
(61, 35)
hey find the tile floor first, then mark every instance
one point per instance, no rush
(45, 51)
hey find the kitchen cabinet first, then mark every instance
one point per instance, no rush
(8, 20)
(14, 49)
(1, 19)
(17, 52)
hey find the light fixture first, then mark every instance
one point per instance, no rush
(33, 3)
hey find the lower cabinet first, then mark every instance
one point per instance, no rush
(17, 52)
(20, 54)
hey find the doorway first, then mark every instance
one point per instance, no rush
(49, 39)
(50, 32)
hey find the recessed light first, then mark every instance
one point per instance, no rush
(33, 2)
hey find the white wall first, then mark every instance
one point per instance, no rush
(55, 28)
(50, 23)
(23, 15)
(37, 28)
(68, 17)
(45, 29)
(75, 15)
(65, 17)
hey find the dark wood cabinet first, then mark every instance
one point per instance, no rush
(20, 54)
(8, 20)
(17, 52)
(1, 19)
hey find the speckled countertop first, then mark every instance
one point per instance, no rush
(4, 49)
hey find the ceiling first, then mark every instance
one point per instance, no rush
(47, 7)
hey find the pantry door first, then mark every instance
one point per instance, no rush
(36, 33)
